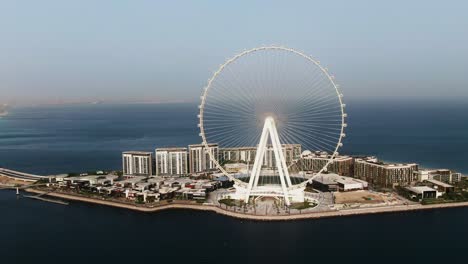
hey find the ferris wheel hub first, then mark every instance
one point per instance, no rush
(270, 119)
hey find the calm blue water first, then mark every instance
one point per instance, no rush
(49, 140)
(38, 232)
(60, 139)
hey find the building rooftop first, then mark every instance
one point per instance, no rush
(138, 152)
(330, 178)
(420, 189)
(156, 179)
(174, 149)
(374, 161)
(132, 180)
(238, 148)
(143, 184)
(202, 145)
(319, 155)
(439, 183)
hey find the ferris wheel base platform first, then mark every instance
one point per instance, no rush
(275, 191)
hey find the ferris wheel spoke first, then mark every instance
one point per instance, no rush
(234, 140)
(309, 131)
(320, 102)
(314, 137)
(232, 100)
(230, 92)
(323, 127)
(330, 113)
(315, 128)
(315, 144)
(308, 86)
(315, 118)
(318, 123)
(241, 86)
(229, 102)
(317, 112)
(331, 136)
(233, 110)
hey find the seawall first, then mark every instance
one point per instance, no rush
(218, 210)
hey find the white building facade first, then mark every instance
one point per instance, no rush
(171, 161)
(247, 154)
(199, 157)
(137, 163)
(443, 175)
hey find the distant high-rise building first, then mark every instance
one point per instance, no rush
(171, 161)
(137, 163)
(199, 157)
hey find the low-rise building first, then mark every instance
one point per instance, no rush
(91, 179)
(191, 194)
(456, 177)
(422, 192)
(130, 182)
(443, 175)
(236, 168)
(441, 187)
(332, 182)
(346, 184)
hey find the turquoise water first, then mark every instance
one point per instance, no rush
(49, 140)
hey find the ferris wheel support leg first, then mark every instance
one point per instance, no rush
(282, 161)
(269, 129)
(279, 158)
(255, 175)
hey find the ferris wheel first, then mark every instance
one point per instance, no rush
(269, 98)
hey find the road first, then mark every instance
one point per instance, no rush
(20, 175)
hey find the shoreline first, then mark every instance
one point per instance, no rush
(238, 215)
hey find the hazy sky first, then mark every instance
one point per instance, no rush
(166, 50)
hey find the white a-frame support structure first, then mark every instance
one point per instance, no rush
(269, 129)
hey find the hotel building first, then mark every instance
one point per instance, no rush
(291, 152)
(442, 175)
(247, 154)
(241, 154)
(199, 157)
(384, 175)
(314, 162)
(137, 163)
(171, 161)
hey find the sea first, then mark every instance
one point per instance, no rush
(78, 138)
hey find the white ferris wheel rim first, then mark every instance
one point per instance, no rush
(247, 52)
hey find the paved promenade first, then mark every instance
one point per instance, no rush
(175, 205)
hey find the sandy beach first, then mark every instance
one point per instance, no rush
(175, 205)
